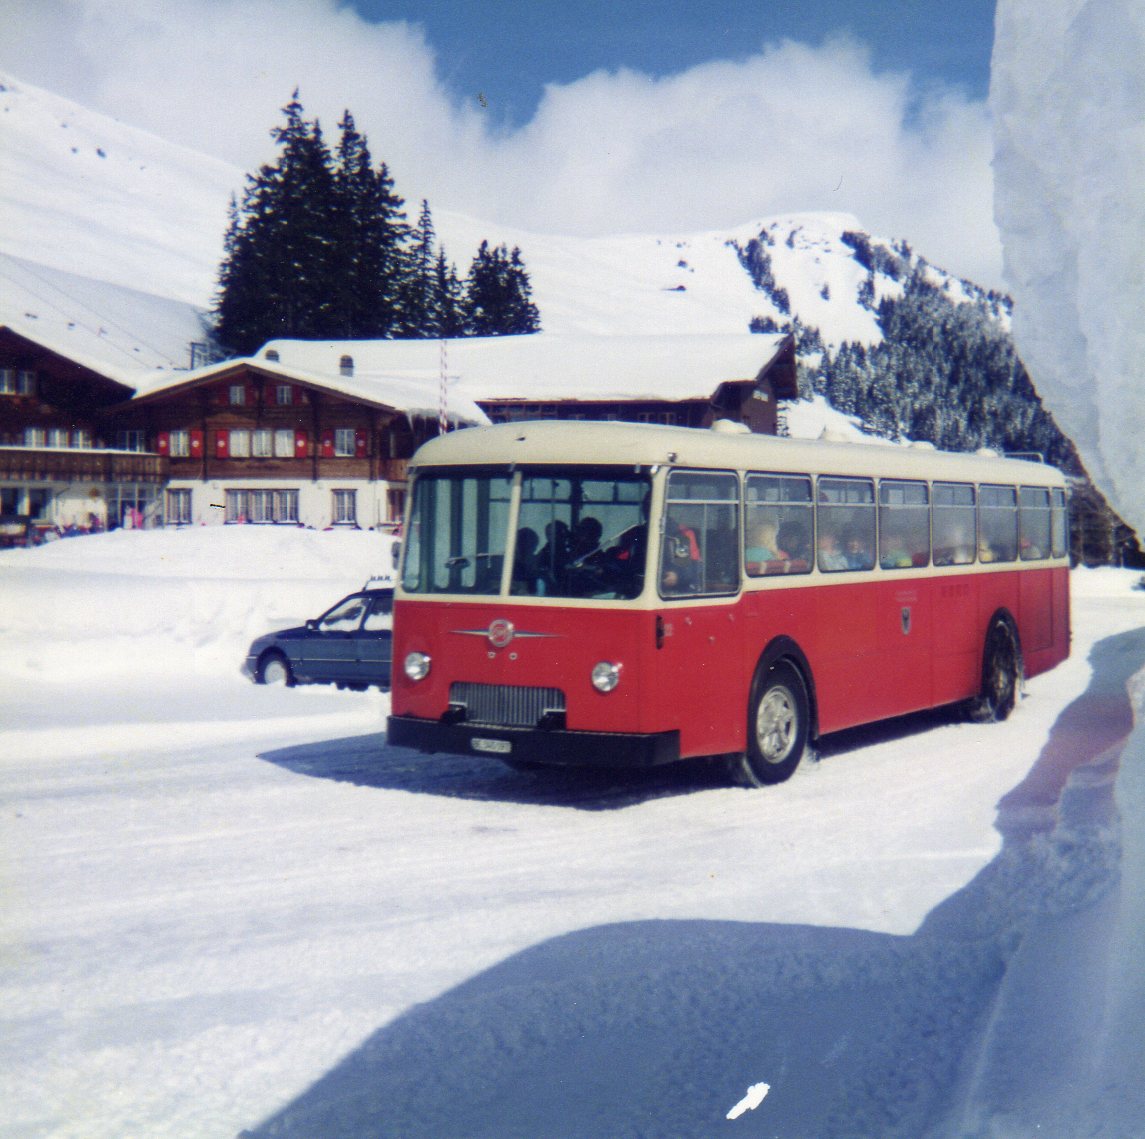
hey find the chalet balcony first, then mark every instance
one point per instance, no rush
(80, 464)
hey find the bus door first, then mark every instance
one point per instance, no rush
(699, 628)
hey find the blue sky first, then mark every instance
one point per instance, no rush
(507, 50)
(587, 117)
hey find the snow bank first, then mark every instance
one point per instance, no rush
(184, 599)
(1065, 93)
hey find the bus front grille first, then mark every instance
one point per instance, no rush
(509, 705)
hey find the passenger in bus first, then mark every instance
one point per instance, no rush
(624, 562)
(858, 553)
(830, 556)
(986, 551)
(526, 567)
(585, 538)
(895, 555)
(764, 546)
(680, 567)
(960, 552)
(794, 546)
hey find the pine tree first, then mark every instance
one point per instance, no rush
(373, 263)
(275, 280)
(423, 303)
(450, 298)
(319, 247)
(498, 297)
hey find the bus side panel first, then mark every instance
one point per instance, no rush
(1055, 597)
(840, 636)
(1036, 610)
(698, 683)
(958, 638)
(906, 638)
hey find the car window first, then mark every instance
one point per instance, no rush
(345, 617)
(380, 616)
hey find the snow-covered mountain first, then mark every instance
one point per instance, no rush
(91, 197)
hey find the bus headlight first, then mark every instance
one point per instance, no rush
(417, 665)
(605, 676)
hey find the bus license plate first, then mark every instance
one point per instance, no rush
(496, 747)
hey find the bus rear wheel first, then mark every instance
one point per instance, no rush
(1002, 673)
(778, 722)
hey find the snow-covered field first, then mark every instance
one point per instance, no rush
(228, 908)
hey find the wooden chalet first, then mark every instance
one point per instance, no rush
(253, 441)
(64, 461)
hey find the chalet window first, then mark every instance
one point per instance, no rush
(179, 508)
(284, 444)
(237, 395)
(345, 507)
(284, 395)
(39, 500)
(57, 436)
(130, 441)
(180, 444)
(262, 443)
(16, 381)
(286, 506)
(35, 437)
(344, 442)
(238, 444)
(81, 438)
(271, 354)
(262, 505)
(346, 366)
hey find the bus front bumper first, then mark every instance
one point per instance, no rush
(548, 747)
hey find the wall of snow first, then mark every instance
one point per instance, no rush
(1067, 94)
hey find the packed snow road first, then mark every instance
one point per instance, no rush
(233, 908)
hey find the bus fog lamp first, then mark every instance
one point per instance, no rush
(605, 676)
(417, 665)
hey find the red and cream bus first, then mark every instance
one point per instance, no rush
(618, 594)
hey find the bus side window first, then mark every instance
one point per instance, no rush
(1059, 545)
(904, 524)
(997, 524)
(955, 523)
(1033, 522)
(778, 525)
(846, 522)
(701, 534)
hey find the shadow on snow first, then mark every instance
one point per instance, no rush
(367, 761)
(657, 1028)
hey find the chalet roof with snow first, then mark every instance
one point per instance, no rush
(395, 393)
(554, 366)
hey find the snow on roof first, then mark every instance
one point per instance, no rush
(547, 366)
(400, 393)
(121, 333)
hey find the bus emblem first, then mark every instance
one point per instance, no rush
(906, 621)
(500, 632)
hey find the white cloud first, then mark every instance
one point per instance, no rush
(793, 127)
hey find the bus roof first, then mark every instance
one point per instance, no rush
(567, 443)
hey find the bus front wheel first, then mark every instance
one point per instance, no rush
(1002, 674)
(778, 723)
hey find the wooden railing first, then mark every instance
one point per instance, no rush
(80, 465)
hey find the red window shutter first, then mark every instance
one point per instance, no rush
(360, 443)
(301, 444)
(196, 443)
(327, 442)
(163, 443)
(222, 444)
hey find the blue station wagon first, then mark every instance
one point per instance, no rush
(350, 645)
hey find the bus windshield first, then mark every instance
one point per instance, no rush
(578, 533)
